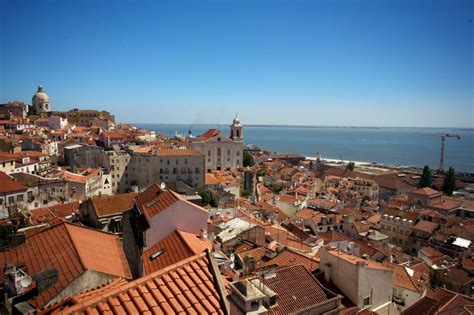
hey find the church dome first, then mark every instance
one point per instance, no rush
(236, 121)
(40, 96)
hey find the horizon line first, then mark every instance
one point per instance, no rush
(296, 126)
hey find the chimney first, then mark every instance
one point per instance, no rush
(252, 296)
(249, 265)
(16, 280)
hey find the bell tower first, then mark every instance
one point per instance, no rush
(236, 130)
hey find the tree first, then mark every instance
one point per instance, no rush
(350, 166)
(245, 193)
(425, 179)
(248, 159)
(449, 184)
(276, 188)
(206, 197)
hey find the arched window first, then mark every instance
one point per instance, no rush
(238, 133)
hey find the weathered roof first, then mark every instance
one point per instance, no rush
(177, 152)
(426, 226)
(177, 246)
(154, 200)
(8, 185)
(184, 287)
(289, 257)
(297, 289)
(116, 204)
(425, 192)
(71, 249)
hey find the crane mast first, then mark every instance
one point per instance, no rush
(441, 157)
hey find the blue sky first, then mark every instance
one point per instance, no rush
(357, 63)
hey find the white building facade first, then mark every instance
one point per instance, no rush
(221, 152)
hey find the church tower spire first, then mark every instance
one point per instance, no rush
(236, 129)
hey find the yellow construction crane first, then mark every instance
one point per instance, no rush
(441, 157)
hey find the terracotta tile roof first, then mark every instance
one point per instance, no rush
(154, 200)
(426, 226)
(306, 213)
(211, 133)
(116, 204)
(425, 192)
(72, 177)
(185, 287)
(361, 227)
(8, 185)
(55, 308)
(145, 149)
(210, 179)
(177, 246)
(257, 253)
(40, 215)
(333, 236)
(355, 259)
(177, 152)
(31, 180)
(401, 278)
(297, 289)
(72, 250)
(442, 301)
(289, 257)
(243, 247)
(63, 210)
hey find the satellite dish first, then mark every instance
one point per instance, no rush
(162, 186)
(232, 257)
(26, 281)
(232, 265)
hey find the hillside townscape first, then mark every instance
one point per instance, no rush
(100, 217)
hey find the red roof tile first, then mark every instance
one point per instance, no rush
(187, 287)
(177, 246)
(289, 257)
(297, 289)
(154, 200)
(72, 250)
(8, 185)
(109, 205)
(177, 152)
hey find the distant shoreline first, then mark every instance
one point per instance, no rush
(309, 126)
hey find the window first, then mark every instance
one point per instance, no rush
(367, 301)
(228, 152)
(177, 162)
(219, 152)
(11, 199)
(237, 153)
(19, 198)
(209, 153)
(185, 161)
